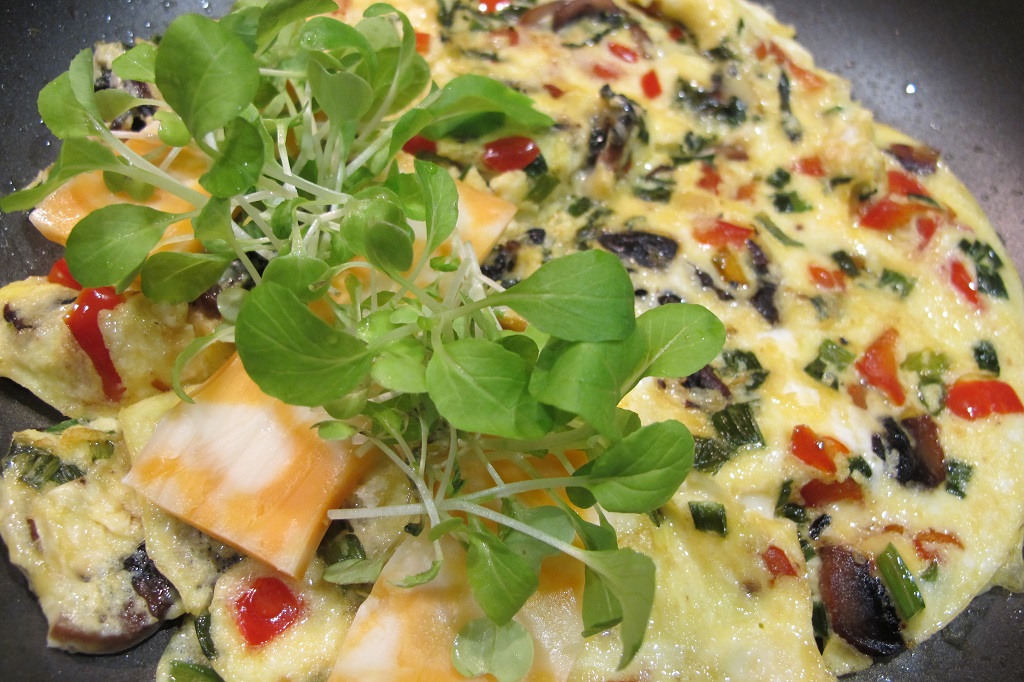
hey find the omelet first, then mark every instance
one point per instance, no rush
(850, 439)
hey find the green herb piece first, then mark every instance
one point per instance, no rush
(482, 647)
(899, 581)
(137, 64)
(987, 264)
(794, 512)
(776, 231)
(710, 454)
(897, 282)
(986, 357)
(846, 263)
(709, 517)
(63, 426)
(860, 465)
(744, 366)
(785, 492)
(779, 178)
(829, 364)
(183, 671)
(354, 571)
(737, 426)
(927, 364)
(37, 467)
(931, 574)
(202, 626)
(711, 105)
(695, 148)
(501, 580)
(958, 475)
(819, 624)
(790, 202)
(101, 449)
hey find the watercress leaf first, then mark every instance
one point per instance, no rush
(279, 13)
(109, 245)
(138, 190)
(368, 208)
(205, 73)
(172, 130)
(681, 338)
(335, 430)
(479, 386)
(469, 97)
(595, 536)
(342, 95)
(137, 64)
(482, 647)
(401, 371)
(113, 102)
(321, 34)
(409, 124)
(305, 277)
(60, 110)
(323, 363)
(389, 246)
(521, 345)
(354, 571)
(629, 575)
(420, 578)
(177, 277)
(82, 81)
(212, 227)
(642, 471)
(240, 162)
(77, 155)
(550, 520)
(601, 609)
(243, 22)
(500, 579)
(587, 378)
(584, 296)
(410, 77)
(441, 200)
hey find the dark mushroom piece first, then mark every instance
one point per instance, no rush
(914, 442)
(618, 124)
(645, 249)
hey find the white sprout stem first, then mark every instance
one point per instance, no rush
(377, 512)
(483, 512)
(510, 489)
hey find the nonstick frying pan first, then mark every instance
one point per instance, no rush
(948, 73)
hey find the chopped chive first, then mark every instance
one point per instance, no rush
(927, 364)
(39, 467)
(744, 363)
(932, 394)
(986, 357)
(792, 511)
(709, 517)
(831, 360)
(775, 231)
(103, 449)
(63, 426)
(710, 454)
(579, 207)
(202, 624)
(819, 623)
(736, 424)
(779, 178)
(958, 475)
(807, 548)
(790, 202)
(542, 187)
(897, 282)
(899, 581)
(846, 263)
(860, 465)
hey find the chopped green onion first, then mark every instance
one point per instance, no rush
(932, 394)
(202, 624)
(846, 263)
(709, 517)
(794, 512)
(342, 547)
(831, 360)
(579, 207)
(819, 623)
(779, 178)
(897, 282)
(785, 492)
(710, 454)
(958, 475)
(736, 424)
(102, 449)
(182, 671)
(790, 202)
(860, 465)
(987, 265)
(986, 357)
(744, 363)
(542, 188)
(927, 364)
(39, 467)
(776, 231)
(63, 426)
(931, 574)
(900, 582)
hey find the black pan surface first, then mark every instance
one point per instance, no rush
(949, 73)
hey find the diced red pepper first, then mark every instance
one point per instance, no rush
(650, 84)
(492, 6)
(903, 184)
(554, 90)
(806, 78)
(624, 52)
(817, 493)
(510, 153)
(777, 563)
(709, 178)
(978, 398)
(723, 233)
(927, 225)
(888, 214)
(266, 609)
(84, 323)
(677, 33)
(809, 165)
(818, 451)
(60, 274)
(931, 536)
(606, 72)
(418, 144)
(825, 278)
(961, 279)
(879, 368)
(422, 42)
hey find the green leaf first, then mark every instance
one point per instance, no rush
(354, 571)
(305, 277)
(680, 339)
(389, 246)
(584, 296)
(420, 578)
(601, 609)
(550, 520)
(212, 227)
(504, 651)
(172, 130)
(113, 102)
(240, 162)
(441, 198)
(109, 245)
(470, 99)
(479, 386)
(137, 64)
(77, 155)
(176, 277)
(401, 371)
(61, 110)
(138, 190)
(205, 73)
(629, 576)
(342, 95)
(642, 471)
(324, 363)
(501, 580)
(325, 34)
(279, 13)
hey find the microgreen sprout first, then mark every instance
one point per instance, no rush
(300, 122)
